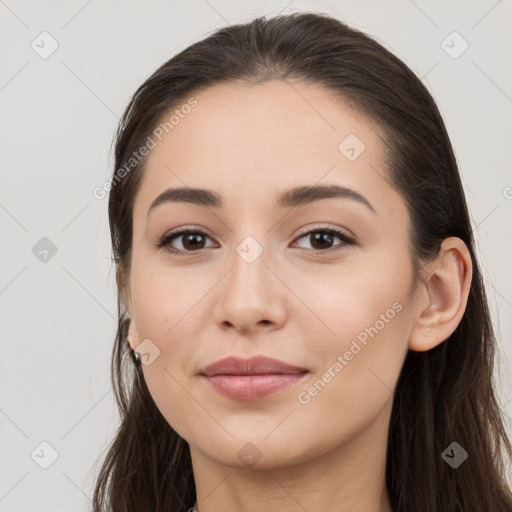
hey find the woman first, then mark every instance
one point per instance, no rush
(269, 371)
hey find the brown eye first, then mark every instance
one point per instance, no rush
(322, 239)
(191, 241)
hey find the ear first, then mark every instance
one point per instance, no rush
(133, 335)
(444, 294)
(124, 290)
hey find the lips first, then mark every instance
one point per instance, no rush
(251, 379)
(257, 365)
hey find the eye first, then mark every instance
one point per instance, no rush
(192, 239)
(323, 237)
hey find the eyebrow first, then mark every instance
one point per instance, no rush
(296, 196)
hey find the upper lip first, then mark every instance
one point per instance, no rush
(257, 365)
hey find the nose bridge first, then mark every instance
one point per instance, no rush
(250, 293)
(249, 261)
(251, 245)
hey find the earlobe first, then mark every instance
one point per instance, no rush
(447, 288)
(133, 335)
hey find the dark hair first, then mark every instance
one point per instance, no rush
(443, 395)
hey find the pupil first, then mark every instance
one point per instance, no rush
(322, 237)
(188, 237)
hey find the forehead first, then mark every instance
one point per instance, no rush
(251, 141)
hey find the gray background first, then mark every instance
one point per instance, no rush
(58, 117)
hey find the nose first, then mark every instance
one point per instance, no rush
(251, 295)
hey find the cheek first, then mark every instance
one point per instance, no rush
(365, 322)
(164, 299)
(170, 320)
(167, 306)
(356, 381)
(356, 303)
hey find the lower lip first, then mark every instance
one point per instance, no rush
(253, 387)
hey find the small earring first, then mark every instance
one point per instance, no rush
(129, 345)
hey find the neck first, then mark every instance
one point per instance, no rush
(349, 477)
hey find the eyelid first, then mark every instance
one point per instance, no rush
(187, 228)
(321, 227)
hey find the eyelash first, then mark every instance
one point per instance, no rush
(165, 241)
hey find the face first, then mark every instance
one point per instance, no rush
(323, 283)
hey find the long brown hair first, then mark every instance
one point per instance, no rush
(443, 395)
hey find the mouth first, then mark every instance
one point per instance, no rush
(251, 379)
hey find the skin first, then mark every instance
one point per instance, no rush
(248, 143)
